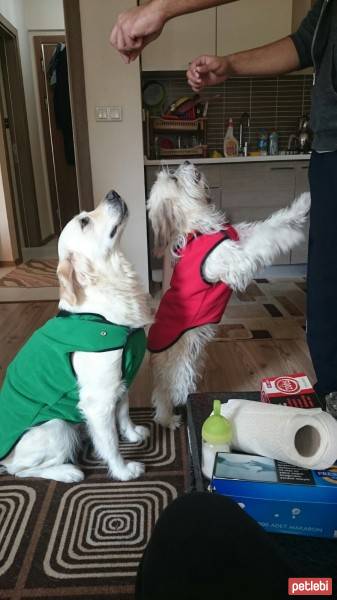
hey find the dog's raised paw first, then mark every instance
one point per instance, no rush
(131, 470)
(136, 434)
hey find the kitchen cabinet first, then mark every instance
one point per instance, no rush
(253, 191)
(181, 40)
(223, 30)
(299, 254)
(250, 23)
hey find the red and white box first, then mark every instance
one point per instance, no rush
(289, 390)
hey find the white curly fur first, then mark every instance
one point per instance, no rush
(179, 205)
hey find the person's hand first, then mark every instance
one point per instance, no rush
(135, 28)
(207, 70)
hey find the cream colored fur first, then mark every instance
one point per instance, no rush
(95, 277)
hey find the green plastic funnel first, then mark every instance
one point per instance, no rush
(216, 429)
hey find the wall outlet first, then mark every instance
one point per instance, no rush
(108, 113)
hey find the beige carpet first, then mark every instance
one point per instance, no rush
(85, 541)
(32, 274)
(269, 309)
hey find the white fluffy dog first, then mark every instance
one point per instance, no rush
(183, 218)
(98, 290)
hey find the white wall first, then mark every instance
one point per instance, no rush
(43, 14)
(12, 10)
(26, 15)
(8, 245)
(116, 148)
(38, 15)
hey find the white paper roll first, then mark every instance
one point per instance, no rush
(303, 437)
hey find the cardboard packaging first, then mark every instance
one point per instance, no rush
(280, 497)
(289, 390)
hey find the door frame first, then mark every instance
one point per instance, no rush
(72, 19)
(18, 123)
(47, 139)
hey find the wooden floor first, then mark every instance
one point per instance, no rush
(231, 365)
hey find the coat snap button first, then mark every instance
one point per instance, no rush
(104, 332)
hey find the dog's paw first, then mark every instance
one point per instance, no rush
(137, 434)
(64, 473)
(131, 470)
(71, 474)
(172, 422)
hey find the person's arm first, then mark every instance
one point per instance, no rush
(273, 59)
(303, 37)
(137, 27)
(283, 56)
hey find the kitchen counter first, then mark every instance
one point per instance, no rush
(234, 160)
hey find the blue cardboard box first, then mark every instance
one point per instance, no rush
(282, 498)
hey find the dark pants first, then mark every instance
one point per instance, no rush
(322, 270)
(205, 547)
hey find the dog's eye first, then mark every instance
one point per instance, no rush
(84, 222)
(174, 178)
(113, 232)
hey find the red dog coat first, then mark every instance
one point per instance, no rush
(190, 301)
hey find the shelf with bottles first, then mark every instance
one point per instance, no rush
(176, 138)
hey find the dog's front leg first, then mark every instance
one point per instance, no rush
(170, 387)
(101, 387)
(104, 435)
(129, 431)
(176, 372)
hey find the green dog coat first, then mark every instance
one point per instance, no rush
(41, 384)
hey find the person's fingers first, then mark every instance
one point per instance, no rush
(113, 37)
(204, 69)
(124, 56)
(121, 46)
(193, 76)
(195, 87)
(133, 55)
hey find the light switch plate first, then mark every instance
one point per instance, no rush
(108, 113)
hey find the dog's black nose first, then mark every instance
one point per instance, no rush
(113, 197)
(186, 163)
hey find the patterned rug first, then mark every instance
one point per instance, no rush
(268, 309)
(32, 274)
(86, 540)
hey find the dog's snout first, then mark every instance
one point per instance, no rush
(113, 197)
(186, 163)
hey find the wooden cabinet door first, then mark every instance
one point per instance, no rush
(215, 194)
(182, 40)
(251, 23)
(252, 192)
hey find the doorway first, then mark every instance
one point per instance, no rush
(54, 101)
(17, 160)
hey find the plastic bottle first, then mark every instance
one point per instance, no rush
(262, 143)
(273, 143)
(230, 144)
(216, 437)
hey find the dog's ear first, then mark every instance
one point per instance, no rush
(164, 226)
(75, 273)
(84, 270)
(66, 276)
